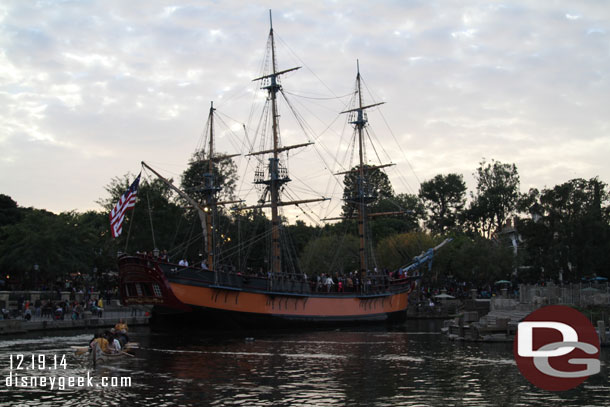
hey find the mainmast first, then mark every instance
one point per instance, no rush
(277, 174)
(276, 181)
(360, 123)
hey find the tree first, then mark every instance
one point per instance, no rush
(372, 189)
(9, 212)
(57, 244)
(194, 177)
(496, 197)
(330, 254)
(156, 220)
(568, 231)
(248, 245)
(400, 249)
(410, 211)
(444, 196)
(476, 260)
(469, 259)
(300, 233)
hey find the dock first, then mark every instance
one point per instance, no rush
(21, 326)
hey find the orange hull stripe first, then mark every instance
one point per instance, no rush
(287, 305)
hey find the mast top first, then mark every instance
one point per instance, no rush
(270, 20)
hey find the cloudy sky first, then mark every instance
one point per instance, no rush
(88, 89)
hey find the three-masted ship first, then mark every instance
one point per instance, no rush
(277, 296)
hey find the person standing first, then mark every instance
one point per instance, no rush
(100, 306)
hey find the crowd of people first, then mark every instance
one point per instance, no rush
(58, 310)
(373, 281)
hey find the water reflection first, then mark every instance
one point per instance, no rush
(407, 365)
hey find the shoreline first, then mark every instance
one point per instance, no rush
(21, 326)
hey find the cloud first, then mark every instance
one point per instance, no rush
(89, 89)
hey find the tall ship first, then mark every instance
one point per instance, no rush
(278, 294)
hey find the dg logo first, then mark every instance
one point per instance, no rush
(556, 348)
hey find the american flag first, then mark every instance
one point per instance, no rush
(127, 201)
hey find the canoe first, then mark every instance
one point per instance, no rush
(97, 355)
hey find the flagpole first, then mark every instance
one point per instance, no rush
(133, 212)
(118, 213)
(132, 216)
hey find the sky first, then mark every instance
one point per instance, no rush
(89, 89)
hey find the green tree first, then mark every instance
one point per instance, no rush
(375, 187)
(156, 221)
(495, 199)
(444, 196)
(300, 233)
(330, 254)
(399, 250)
(57, 244)
(9, 212)
(248, 245)
(568, 231)
(193, 180)
(409, 212)
(476, 260)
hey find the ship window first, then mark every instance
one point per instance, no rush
(139, 290)
(157, 290)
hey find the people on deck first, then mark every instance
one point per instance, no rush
(329, 283)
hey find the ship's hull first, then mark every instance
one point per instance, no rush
(234, 300)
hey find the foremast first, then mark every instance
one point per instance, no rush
(208, 209)
(211, 190)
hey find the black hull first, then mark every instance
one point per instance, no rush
(207, 318)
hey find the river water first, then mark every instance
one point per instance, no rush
(405, 365)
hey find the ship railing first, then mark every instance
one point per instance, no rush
(375, 284)
(291, 283)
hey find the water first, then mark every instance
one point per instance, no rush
(407, 365)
